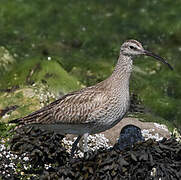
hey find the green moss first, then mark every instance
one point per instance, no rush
(38, 70)
(25, 104)
(56, 77)
(5, 130)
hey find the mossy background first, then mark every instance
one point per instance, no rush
(71, 44)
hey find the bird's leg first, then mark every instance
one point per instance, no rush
(74, 146)
(85, 142)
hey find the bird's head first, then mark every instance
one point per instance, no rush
(134, 48)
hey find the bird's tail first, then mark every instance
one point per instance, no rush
(42, 116)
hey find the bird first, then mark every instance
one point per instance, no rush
(92, 109)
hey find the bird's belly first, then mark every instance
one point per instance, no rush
(103, 126)
(109, 119)
(64, 129)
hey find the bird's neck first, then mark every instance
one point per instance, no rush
(119, 79)
(123, 69)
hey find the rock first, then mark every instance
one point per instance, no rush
(113, 134)
(110, 137)
(28, 92)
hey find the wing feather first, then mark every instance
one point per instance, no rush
(73, 108)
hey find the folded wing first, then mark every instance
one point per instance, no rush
(73, 108)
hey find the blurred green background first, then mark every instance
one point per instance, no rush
(58, 46)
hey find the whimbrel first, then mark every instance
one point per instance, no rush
(92, 109)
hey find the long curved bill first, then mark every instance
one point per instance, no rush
(148, 53)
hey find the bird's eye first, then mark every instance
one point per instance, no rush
(132, 47)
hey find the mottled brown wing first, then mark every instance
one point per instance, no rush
(72, 108)
(78, 108)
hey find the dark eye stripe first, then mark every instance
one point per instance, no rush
(132, 47)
